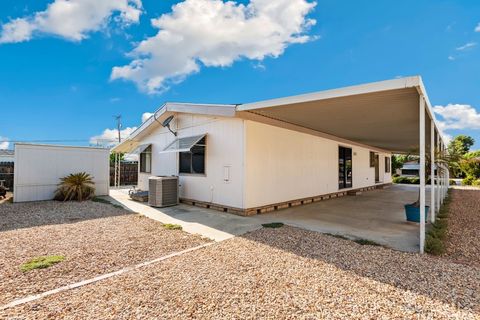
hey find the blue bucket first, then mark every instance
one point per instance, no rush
(413, 213)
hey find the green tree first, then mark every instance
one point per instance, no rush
(398, 160)
(472, 154)
(461, 144)
(457, 149)
(112, 157)
(470, 167)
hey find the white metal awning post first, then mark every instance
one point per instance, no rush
(437, 188)
(422, 173)
(432, 171)
(443, 176)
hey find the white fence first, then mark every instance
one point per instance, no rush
(38, 169)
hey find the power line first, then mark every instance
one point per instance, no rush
(59, 140)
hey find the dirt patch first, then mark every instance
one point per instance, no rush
(463, 234)
(280, 273)
(95, 238)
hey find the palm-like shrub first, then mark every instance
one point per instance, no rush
(76, 186)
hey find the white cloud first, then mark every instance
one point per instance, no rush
(466, 46)
(17, 30)
(146, 115)
(451, 58)
(4, 144)
(477, 29)
(72, 19)
(109, 137)
(458, 116)
(214, 33)
(447, 137)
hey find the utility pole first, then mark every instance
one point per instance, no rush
(118, 118)
(119, 126)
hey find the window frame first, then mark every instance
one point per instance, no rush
(202, 143)
(387, 165)
(372, 159)
(410, 172)
(144, 158)
(342, 159)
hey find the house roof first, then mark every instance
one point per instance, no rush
(384, 114)
(5, 152)
(133, 141)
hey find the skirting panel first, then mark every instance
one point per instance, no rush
(280, 205)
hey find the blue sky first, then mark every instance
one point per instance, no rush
(65, 81)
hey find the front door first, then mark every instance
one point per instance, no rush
(377, 168)
(345, 168)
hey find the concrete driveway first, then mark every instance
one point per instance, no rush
(376, 215)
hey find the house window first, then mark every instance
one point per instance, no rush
(344, 167)
(410, 172)
(193, 161)
(372, 159)
(146, 160)
(387, 164)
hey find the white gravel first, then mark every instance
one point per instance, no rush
(95, 238)
(463, 233)
(280, 273)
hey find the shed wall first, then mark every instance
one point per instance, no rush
(38, 169)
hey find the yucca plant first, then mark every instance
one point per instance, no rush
(76, 186)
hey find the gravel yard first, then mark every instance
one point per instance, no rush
(463, 236)
(277, 273)
(95, 238)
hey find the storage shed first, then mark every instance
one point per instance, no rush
(38, 169)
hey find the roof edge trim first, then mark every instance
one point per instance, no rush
(401, 83)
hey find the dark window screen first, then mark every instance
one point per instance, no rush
(193, 161)
(146, 160)
(345, 168)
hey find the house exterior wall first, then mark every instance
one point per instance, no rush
(265, 164)
(224, 156)
(38, 169)
(283, 165)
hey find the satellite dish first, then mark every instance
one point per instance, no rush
(166, 124)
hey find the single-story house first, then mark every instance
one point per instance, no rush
(7, 155)
(261, 156)
(410, 169)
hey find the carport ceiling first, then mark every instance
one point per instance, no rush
(386, 119)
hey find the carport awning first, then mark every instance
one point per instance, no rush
(127, 146)
(384, 115)
(141, 148)
(183, 144)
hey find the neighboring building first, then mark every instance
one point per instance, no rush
(411, 169)
(7, 155)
